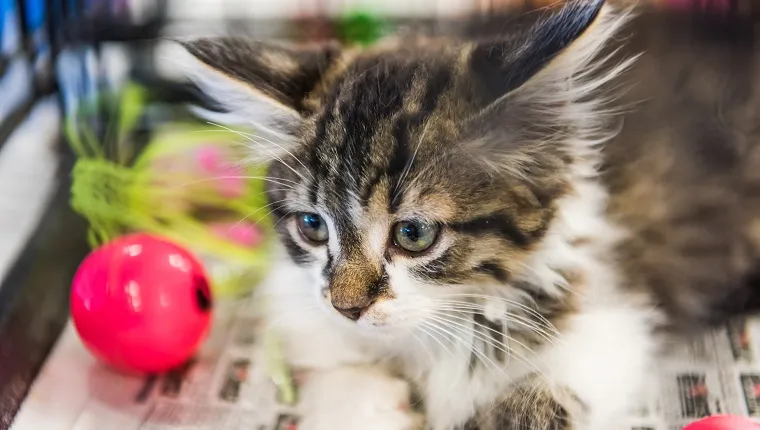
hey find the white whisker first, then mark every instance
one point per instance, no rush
(470, 347)
(284, 201)
(509, 302)
(422, 327)
(277, 181)
(281, 147)
(508, 316)
(408, 167)
(272, 211)
(264, 147)
(489, 341)
(508, 320)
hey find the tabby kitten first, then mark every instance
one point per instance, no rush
(504, 225)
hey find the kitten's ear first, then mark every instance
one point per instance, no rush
(558, 43)
(530, 88)
(262, 84)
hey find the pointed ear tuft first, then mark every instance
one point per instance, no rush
(503, 65)
(261, 84)
(536, 92)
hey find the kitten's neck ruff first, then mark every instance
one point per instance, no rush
(574, 265)
(571, 277)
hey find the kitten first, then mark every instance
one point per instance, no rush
(507, 225)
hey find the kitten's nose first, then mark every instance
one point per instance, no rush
(353, 313)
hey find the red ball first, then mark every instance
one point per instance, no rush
(141, 304)
(724, 422)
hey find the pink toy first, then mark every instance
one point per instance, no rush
(231, 178)
(724, 422)
(241, 232)
(141, 304)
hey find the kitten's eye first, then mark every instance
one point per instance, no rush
(312, 227)
(415, 236)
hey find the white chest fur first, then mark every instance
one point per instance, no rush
(601, 354)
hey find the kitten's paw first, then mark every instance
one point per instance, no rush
(534, 407)
(543, 414)
(356, 398)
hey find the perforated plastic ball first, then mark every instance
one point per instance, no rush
(724, 422)
(141, 304)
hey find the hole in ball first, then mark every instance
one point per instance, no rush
(202, 294)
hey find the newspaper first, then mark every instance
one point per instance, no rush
(718, 373)
(227, 388)
(224, 388)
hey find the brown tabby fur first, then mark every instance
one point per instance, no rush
(404, 125)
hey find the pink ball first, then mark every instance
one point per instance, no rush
(141, 304)
(724, 422)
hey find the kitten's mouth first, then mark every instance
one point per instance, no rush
(368, 320)
(373, 320)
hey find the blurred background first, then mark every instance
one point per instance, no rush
(91, 122)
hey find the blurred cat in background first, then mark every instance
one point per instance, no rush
(508, 224)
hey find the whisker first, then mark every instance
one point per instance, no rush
(509, 302)
(510, 317)
(272, 190)
(475, 323)
(508, 351)
(525, 319)
(282, 218)
(543, 335)
(424, 325)
(285, 201)
(277, 181)
(471, 308)
(447, 335)
(421, 342)
(272, 211)
(501, 299)
(408, 167)
(272, 153)
(279, 146)
(276, 157)
(432, 163)
(464, 342)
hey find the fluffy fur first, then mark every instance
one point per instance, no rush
(536, 306)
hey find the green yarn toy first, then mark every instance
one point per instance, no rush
(362, 28)
(163, 192)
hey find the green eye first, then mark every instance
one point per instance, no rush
(415, 236)
(312, 227)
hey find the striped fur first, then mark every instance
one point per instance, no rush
(537, 303)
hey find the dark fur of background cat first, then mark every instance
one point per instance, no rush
(684, 173)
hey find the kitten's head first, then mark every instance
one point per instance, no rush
(418, 171)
